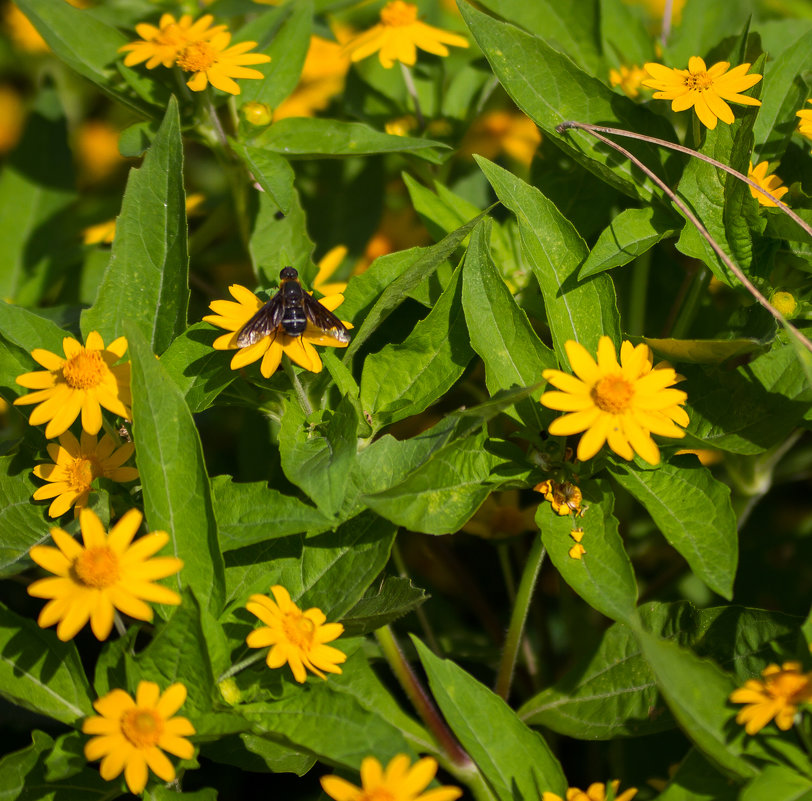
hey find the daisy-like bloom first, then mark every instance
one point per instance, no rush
(327, 265)
(805, 124)
(629, 79)
(577, 550)
(77, 464)
(109, 572)
(297, 637)
(233, 316)
(214, 62)
(399, 781)
(500, 131)
(595, 792)
(131, 734)
(619, 403)
(564, 497)
(398, 35)
(84, 381)
(772, 183)
(778, 694)
(706, 90)
(162, 44)
(500, 516)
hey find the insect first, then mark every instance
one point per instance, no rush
(292, 308)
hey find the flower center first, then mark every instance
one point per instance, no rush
(97, 567)
(795, 688)
(85, 370)
(142, 727)
(398, 13)
(299, 630)
(197, 57)
(378, 794)
(612, 394)
(81, 473)
(698, 81)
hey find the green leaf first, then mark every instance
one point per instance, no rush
(697, 691)
(200, 372)
(692, 510)
(28, 330)
(330, 570)
(752, 408)
(697, 780)
(784, 93)
(67, 757)
(306, 137)
(382, 604)
(40, 673)
(778, 783)
(290, 28)
(259, 754)
(160, 792)
(516, 761)
(442, 494)
(501, 334)
(603, 576)
(630, 234)
(270, 170)
(407, 279)
(402, 380)
(623, 34)
(703, 351)
(319, 460)
(36, 191)
(583, 311)
(173, 473)
(255, 512)
(146, 280)
(20, 520)
(551, 89)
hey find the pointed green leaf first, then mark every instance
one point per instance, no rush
(703, 351)
(146, 280)
(271, 171)
(382, 604)
(697, 779)
(173, 473)
(515, 760)
(692, 510)
(778, 783)
(583, 311)
(28, 330)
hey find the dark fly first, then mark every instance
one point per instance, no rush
(291, 308)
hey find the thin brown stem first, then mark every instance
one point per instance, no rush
(726, 260)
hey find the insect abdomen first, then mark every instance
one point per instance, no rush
(294, 320)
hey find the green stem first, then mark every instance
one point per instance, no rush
(242, 665)
(412, 90)
(420, 698)
(532, 567)
(304, 401)
(689, 309)
(428, 632)
(639, 290)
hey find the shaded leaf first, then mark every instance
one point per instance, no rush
(393, 599)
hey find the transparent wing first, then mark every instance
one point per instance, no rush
(263, 323)
(324, 319)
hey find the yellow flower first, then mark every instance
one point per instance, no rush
(214, 62)
(785, 302)
(500, 516)
(401, 126)
(772, 183)
(163, 44)
(295, 636)
(84, 381)
(323, 74)
(97, 150)
(108, 573)
(622, 404)
(327, 265)
(400, 781)
(398, 34)
(595, 792)
(77, 465)
(778, 694)
(629, 79)
(502, 131)
(564, 497)
(233, 316)
(132, 734)
(805, 124)
(704, 89)
(12, 116)
(22, 31)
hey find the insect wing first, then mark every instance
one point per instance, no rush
(263, 323)
(324, 319)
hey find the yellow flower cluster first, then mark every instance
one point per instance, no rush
(195, 46)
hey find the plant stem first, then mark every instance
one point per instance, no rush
(532, 567)
(419, 697)
(639, 290)
(412, 90)
(668, 13)
(304, 401)
(687, 313)
(428, 632)
(242, 665)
